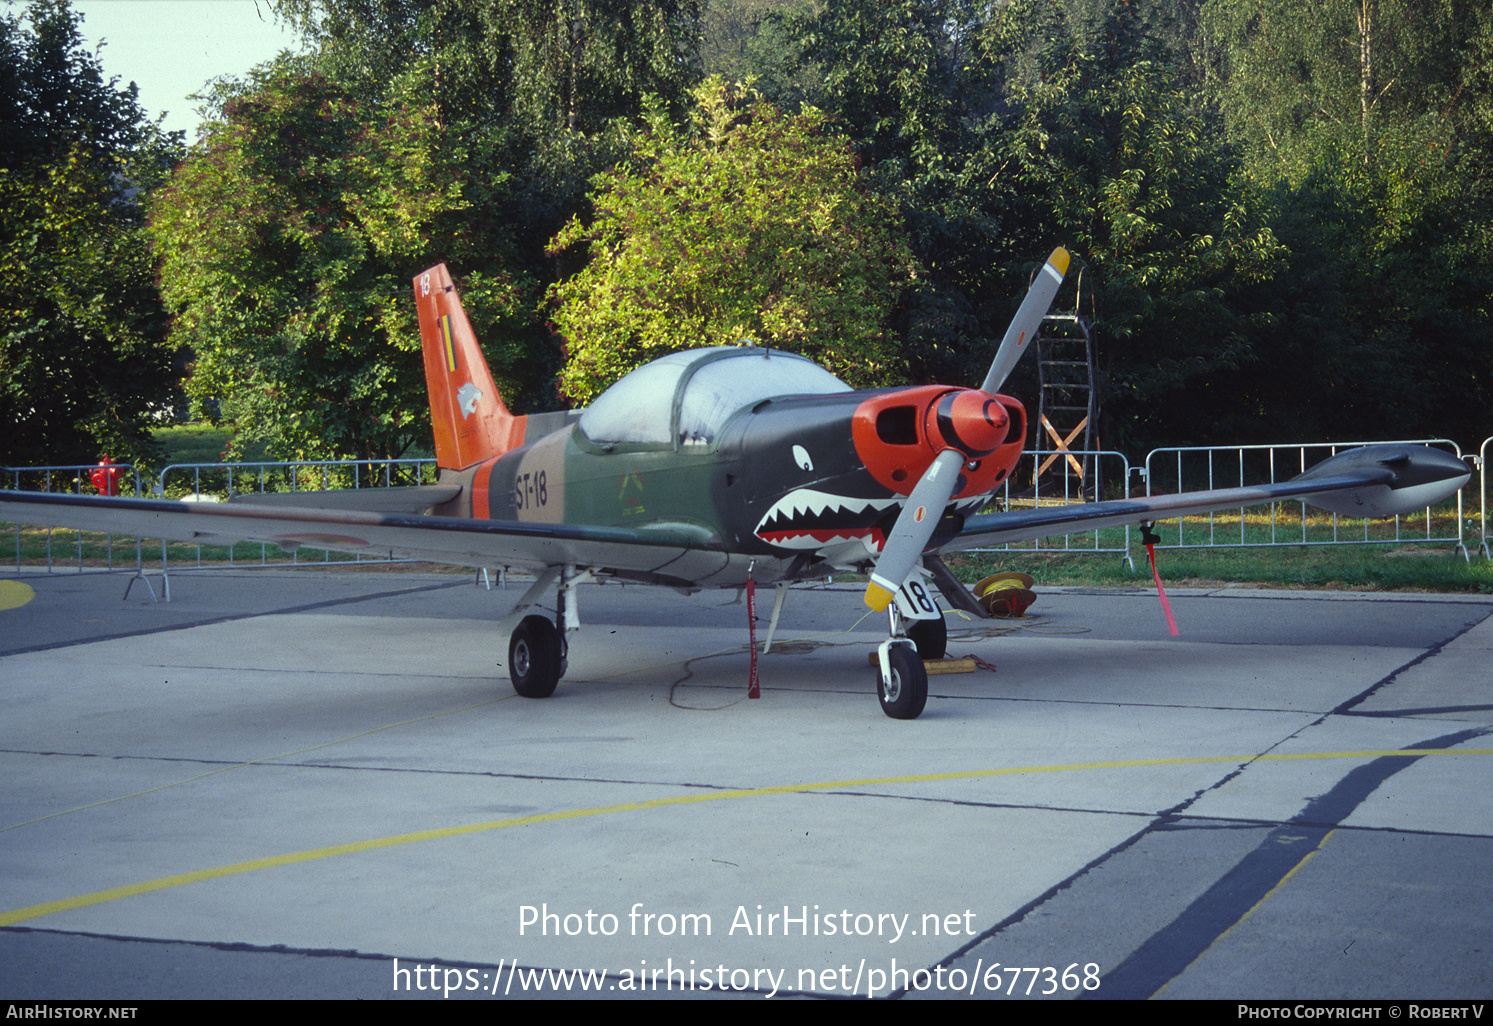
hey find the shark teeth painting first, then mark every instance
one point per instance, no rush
(806, 518)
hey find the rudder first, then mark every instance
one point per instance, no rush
(470, 420)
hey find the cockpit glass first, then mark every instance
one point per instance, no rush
(719, 388)
(686, 398)
(639, 406)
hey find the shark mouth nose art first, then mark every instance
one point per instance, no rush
(806, 518)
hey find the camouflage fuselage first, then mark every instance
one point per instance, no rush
(795, 485)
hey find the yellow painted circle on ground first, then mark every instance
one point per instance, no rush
(14, 594)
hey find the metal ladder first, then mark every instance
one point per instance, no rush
(1068, 403)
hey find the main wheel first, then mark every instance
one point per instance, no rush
(534, 657)
(931, 637)
(904, 696)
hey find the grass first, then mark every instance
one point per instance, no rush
(195, 443)
(1283, 548)
(1349, 568)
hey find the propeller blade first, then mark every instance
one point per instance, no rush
(1027, 320)
(915, 525)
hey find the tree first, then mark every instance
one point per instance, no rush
(1377, 116)
(1372, 89)
(288, 241)
(739, 40)
(538, 65)
(537, 95)
(910, 82)
(1122, 159)
(755, 227)
(84, 362)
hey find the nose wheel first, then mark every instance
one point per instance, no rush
(902, 679)
(903, 682)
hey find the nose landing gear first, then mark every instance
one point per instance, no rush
(902, 682)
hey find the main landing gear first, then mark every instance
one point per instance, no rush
(537, 647)
(536, 657)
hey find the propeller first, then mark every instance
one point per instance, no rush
(914, 527)
(1027, 320)
(925, 505)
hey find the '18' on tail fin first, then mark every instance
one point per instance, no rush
(471, 423)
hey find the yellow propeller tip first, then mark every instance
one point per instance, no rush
(877, 597)
(1059, 260)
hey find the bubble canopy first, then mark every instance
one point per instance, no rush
(684, 399)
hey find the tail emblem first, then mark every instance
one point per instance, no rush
(467, 397)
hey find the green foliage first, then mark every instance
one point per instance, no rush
(1366, 88)
(288, 240)
(910, 82)
(744, 41)
(537, 96)
(541, 66)
(1136, 177)
(1282, 209)
(83, 359)
(1374, 116)
(754, 227)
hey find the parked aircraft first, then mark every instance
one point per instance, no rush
(714, 468)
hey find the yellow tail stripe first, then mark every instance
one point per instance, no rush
(447, 344)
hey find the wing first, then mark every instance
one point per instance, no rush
(675, 555)
(1372, 481)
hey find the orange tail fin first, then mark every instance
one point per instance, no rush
(471, 423)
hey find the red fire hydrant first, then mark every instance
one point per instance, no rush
(105, 476)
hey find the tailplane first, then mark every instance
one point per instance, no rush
(470, 421)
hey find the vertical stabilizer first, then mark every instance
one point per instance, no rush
(470, 421)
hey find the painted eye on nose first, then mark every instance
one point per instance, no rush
(801, 457)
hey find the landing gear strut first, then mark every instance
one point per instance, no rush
(902, 680)
(537, 647)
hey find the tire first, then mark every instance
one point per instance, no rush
(931, 637)
(908, 693)
(534, 659)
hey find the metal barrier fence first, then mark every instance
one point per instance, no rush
(1289, 522)
(1481, 463)
(71, 478)
(1097, 465)
(227, 479)
(1286, 524)
(205, 482)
